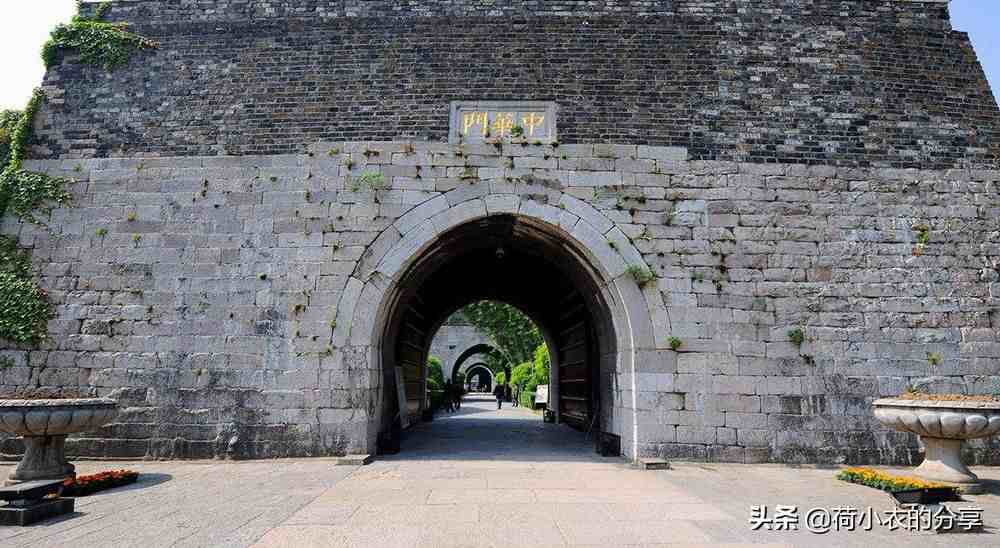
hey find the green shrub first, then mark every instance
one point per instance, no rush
(521, 374)
(435, 372)
(437, 399)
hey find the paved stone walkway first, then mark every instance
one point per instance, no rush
(478, 478)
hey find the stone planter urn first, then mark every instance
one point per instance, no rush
(44, 424)
(943, 425)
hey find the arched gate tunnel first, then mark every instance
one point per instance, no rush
(525, 264)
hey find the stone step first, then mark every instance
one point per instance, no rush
(653, 464)
(353, 460)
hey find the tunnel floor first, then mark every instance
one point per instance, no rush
(479, 431)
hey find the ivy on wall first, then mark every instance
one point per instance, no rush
(24, 192)
(24, 308)
(98, 42)
(28, 195)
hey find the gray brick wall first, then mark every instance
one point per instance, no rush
(833, 82)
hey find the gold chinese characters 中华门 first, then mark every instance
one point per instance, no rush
(502, 123)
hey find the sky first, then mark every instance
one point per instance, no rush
(26, 25)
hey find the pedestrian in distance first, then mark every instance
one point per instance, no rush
(449, 397)
(499, 392)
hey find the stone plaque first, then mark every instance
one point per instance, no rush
(492, 121)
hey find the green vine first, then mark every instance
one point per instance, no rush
(23, 192)
(100, 43)
(24, 308)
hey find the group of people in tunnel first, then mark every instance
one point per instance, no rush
(452, 396)
(504, 392)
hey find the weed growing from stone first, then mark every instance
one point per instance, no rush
(923, 238)
(370, 180)
(674, 343)
(640, 274)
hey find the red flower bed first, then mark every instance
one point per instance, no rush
(82, 486)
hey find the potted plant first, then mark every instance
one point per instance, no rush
(943, 422)
(44, 424)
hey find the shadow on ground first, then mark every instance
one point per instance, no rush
(146, 480)
(990, 487)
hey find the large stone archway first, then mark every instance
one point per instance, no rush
(600, 336)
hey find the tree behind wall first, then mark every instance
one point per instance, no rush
(513, 333)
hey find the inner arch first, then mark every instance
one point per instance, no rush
(474, 350)
(480, 369)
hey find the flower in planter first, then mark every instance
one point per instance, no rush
(886, 482)
(82, 486)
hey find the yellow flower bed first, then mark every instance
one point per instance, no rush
(884, 481)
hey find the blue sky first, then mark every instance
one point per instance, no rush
(26, 25)
(981, 19)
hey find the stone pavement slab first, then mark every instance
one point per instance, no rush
(479, 478)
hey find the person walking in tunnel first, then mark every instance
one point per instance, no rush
(499, 392)
(449, 397)
(457, 393)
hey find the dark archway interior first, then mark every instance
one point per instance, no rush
(525, 264)
(482, 377)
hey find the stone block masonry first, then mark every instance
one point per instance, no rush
(217, 314)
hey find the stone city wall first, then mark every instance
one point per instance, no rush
(840, 82)
(202, 292)
(451, 341)
(917, 13)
